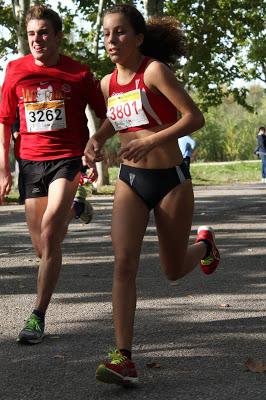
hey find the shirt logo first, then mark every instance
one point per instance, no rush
(44, 94)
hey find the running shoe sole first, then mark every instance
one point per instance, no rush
(105, 375)
(24, 340)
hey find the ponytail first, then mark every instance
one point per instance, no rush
(164, 40)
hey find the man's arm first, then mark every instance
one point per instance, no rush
(5, 173)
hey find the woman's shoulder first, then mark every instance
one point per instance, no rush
(154, 66)
(158, 69)
(157, 72)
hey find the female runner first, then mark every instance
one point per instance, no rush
(150, 110)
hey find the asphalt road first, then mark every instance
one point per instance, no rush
(199, 331)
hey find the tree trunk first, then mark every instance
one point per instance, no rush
(98, 26)
(103, 177)
(20, 9)
(153, 7)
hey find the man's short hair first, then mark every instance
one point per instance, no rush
(42, 12)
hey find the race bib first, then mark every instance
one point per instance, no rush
(45, 115)
(125, 110)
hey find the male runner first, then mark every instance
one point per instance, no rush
(51, 91)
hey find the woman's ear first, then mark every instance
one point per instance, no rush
(140, 39)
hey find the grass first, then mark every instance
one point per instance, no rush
(203, 174)
(227, 172)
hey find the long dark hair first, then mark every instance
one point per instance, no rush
(163, 38)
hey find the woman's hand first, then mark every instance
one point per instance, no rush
(93, 152)
(136, 149)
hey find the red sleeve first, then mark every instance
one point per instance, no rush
(95, 95)
(9, 99)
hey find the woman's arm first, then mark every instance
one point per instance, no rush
(159, 78)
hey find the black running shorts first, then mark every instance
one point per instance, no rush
(37, 175)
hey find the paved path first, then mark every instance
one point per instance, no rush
(200, 345)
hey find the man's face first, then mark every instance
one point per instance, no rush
(43, 41)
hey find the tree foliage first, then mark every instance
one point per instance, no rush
(8, 41)
(224, 39)
(230, 131)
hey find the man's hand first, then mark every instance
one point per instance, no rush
(5, 175)
(5, 185)
(92, 174)
(93, 152)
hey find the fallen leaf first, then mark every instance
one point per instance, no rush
(255, 365)
(153, 365)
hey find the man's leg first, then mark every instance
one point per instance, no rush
(48, 231)
(34, 209)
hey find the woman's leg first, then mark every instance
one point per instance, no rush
(173, 218)
(129, 222)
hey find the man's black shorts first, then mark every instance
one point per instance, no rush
(37, 175)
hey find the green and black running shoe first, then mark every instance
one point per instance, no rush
(85, 213)
(33, 332)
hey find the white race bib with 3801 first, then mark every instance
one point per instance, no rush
(45, 115)
(125, 110)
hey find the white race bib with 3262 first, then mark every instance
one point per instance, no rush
(125, 110)
(45, 115)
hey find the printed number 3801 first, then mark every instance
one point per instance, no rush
(125, 110)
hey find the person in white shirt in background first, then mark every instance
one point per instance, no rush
(187, 146)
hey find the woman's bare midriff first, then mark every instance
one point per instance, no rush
(164, 156)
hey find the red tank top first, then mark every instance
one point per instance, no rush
(134, 106)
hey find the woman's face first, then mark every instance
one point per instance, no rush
(120, 40)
